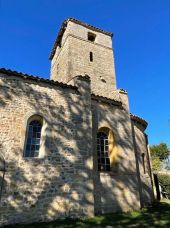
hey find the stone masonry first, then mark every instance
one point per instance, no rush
(80, 100)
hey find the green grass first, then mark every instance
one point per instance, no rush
(156, 216)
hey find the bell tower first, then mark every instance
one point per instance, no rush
(83, 49)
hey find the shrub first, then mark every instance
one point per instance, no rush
(164, 180)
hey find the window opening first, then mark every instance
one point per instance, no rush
(91, 36)
(103, 152)
(33, 139)
(143, 162)
(91, 56)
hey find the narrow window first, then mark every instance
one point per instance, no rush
(33, 138)
(91, 56)
(91, 36)
(2, 175)
(103, 152)
(143, 162)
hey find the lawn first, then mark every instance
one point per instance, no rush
(156, 216)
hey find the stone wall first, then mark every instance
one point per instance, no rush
(73, 58)
(60, 65)
(73, 28)
(58, 183)
(117, 189)
(64, 181)
(143, 164)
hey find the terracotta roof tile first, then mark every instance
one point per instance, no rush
(90, 26)
(35, 78)
(106, 100)
(60, 84)
(139, 119)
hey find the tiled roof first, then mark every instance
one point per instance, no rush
(63, 27)
(35, 78)
(139, 119)
(106, 100)
(55, 83)
(90, 26)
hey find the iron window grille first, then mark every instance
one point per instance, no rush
(103, 152)
(33, 139)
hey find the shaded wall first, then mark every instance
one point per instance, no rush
(59, 183)
(118, 189)
(64, 181)
(143, 163)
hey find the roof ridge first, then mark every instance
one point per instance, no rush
(89, 25)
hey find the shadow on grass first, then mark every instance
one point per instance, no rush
(156, 216)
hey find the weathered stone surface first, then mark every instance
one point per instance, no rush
(73, 58)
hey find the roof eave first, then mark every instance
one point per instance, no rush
(36, 78)
(139, 120)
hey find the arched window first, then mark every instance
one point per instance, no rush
(103, 152)
(33, 137)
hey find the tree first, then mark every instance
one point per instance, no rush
(159, 155)
(156, 164)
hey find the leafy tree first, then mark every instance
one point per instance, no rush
(159, 154)
(160, 151)
(156, 164)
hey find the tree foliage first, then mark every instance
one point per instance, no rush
(159, 154)
(160, 151)
(156, 164)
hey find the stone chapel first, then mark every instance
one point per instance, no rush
(69, 146)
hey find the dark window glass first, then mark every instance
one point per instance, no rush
(33, 139)
(102, 151)
(91, 36)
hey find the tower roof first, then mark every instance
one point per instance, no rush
(64, 26)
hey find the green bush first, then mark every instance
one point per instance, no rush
(164, 180)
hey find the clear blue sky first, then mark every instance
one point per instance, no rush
(141, 43)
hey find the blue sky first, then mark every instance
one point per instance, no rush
(141, 47)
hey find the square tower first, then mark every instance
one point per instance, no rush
(82, 49)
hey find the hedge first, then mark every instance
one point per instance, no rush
(164, 180)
